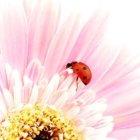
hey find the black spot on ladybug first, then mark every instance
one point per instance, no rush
(77, 69)
(85, 77)
(84, 68)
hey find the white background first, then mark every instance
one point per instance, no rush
(124, 24)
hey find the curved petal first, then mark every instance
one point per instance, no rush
(34, 71)
(13, 36)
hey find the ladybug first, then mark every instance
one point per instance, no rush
(82, 70)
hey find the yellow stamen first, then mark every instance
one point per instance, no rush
(28, 123)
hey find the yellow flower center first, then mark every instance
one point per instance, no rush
(38, 123)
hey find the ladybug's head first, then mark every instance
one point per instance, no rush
(70, 64)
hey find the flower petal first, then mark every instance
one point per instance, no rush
(130, 89)
(127, 121)
(89, 37)
(52, 86)
(3, 109)
(8, 98)
(27, 89)
(3, 75)
(13, 37)
(16, 87)
(122, 66)
(127, 134)
(34, 95)
(42, 26)
(34, 71)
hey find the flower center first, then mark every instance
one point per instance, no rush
(49, 133)
(38, 123)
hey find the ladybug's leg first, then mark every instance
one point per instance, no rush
(76, 83)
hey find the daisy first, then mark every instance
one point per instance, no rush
(38, 99)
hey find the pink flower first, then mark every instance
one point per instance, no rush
(38, 94)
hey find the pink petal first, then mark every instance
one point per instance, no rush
(88, 97)
(42, 26)
(34, 70)
(127, 121)
(89, 37)
(13, 36)
(122, 66)
(100, 62)
(3, 76)
(124, 95)
(127, 134)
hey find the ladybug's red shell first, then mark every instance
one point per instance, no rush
(82, 71)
